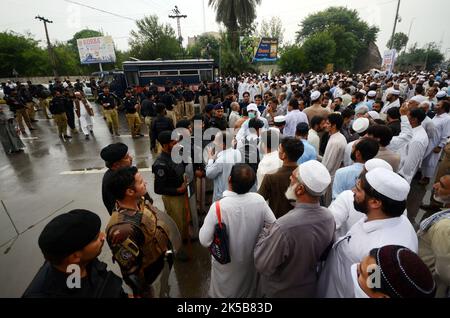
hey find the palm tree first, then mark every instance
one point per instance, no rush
(235, 15)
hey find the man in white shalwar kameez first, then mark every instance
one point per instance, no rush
(442, 123)
(245, 214)
(85, 113)
(381, 195)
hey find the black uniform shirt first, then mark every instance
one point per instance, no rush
(107, 101)
(169, 176)
(130, 103)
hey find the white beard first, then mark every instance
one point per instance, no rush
(442, 200)
(290, 194)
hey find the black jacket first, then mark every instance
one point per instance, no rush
(51, 283)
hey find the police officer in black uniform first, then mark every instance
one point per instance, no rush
(132, 110)
(170, 184)
(74, 241)
(110, 102)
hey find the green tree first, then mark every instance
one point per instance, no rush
(205, 47)
(398, 42)
(67, 61)
(22, 53)
(320, 49)
(293, 60)
(235, 15)
(428, 57)
(272, 29)
(83, 34)
(350, 34)
(153, 40)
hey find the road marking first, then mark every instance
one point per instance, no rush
(94, 171)
(29, 138)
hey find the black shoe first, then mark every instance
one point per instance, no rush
(92, 132)
(32, 129)
(141, 135)
(87, 137)
(34, 120)
(67, 137)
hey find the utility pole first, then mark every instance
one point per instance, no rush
(177, 15)
(204, 17)
(395, 25)
(49, 46)
(409, 33)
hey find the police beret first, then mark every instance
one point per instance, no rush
(165, 137)
(69, 232)
(209, 108)
(114, 152)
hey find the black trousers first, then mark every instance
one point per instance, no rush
(71, 118)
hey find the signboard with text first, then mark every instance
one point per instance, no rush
(389, 61)
(96, 50)
(267, 50)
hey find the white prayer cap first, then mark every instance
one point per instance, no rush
(377, 163)
(279, 119)
(252, 107)
(349, 80)
(404, 81)
(389, 184)
(395, 92)
(361, 125)
(374, 115)
(363, 92)
(372, 94)
(315, 96)
(294, 83)
(314, 176)
(373, 84)
(441, 94)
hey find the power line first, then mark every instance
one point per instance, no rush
(101, 10)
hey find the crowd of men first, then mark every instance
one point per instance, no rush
(311, 174)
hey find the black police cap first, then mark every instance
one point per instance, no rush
(69, 232)
(114, 152)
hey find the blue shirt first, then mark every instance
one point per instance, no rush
(294, 118)
(309, 154)
(345, 178)
(370, 103)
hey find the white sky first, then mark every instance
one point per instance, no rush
(430, 21)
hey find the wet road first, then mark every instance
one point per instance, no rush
(53, 177)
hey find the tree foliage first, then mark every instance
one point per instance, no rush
(428, 56)
(205, 47)
(293, 59)
(272, 29)
(320, 49)
(398, 42)
(235, 15)
(153, 40)
(22, 53)
(349, 33)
